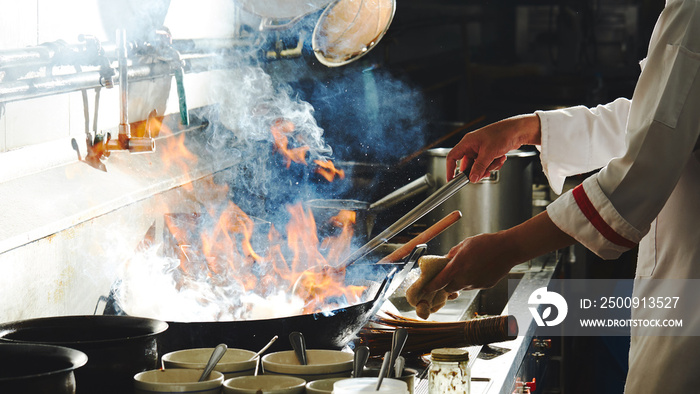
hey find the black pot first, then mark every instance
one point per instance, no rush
(117, 347)
(38, 369)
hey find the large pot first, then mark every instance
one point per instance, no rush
(117, 347)
(495, 203)
(38, 369)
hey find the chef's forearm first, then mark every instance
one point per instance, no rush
(535, 237)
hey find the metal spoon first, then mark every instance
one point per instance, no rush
(216, 355)
(398, 340)
(299, 346)
(384, 370)
(359, 361)
(264, 348)
(398, 366)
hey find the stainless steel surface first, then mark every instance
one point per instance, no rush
(405, 192)
(398, 341)
(206, 55)
(495, 203)
(430, 203)
(267, 346)
(349, 29)
(399, 365)
(122, 51)
(384, 370)
(282, 9)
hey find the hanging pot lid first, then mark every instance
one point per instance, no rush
(282, 9)
(349, 29)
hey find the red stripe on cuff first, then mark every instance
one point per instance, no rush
(584, 203)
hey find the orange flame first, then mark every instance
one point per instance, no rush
(227, 255)
(174, 153)
(327, 170)
(280, 129)
(224, 252)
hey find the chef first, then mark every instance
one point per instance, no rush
(646, 193)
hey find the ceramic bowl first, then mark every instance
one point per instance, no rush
(235, 362)
(408, 376)
(264, 384)
(322, 386)
(177, 380)
(321, 364)
(368, 385)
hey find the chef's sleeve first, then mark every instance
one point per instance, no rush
(613, 209)
(578, 140)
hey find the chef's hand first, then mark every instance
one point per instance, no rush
(478, 262)
(484, 150)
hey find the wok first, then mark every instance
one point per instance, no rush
(33, 368)
(328, 330)
(117, 346)
(324, 210)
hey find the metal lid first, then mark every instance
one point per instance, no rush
(454, 355)
(349, 29)
(282, 9)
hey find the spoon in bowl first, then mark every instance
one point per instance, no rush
(261, 351)
(299, 345)
(216, 355)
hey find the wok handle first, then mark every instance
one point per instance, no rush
(428, 234)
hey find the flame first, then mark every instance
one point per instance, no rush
(217, 252)
(280, 129)
(327, 169)
(224, 254)
(174, 153)
(340, 245)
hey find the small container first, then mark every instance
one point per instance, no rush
(449, 371)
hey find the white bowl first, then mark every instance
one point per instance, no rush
(368, 385)
(177, 381)
(321, 386)
(264, 383)
(321, 364)
(235, 362)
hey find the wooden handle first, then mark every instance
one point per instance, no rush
(428, 234)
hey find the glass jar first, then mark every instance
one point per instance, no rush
(449, 371)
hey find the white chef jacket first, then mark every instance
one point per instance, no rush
(648, 190)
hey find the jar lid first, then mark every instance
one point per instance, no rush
(450, 355)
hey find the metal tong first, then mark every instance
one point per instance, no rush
(430, 203)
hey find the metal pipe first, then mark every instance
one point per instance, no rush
(45, 86)
(46, 54)
(123, 87)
